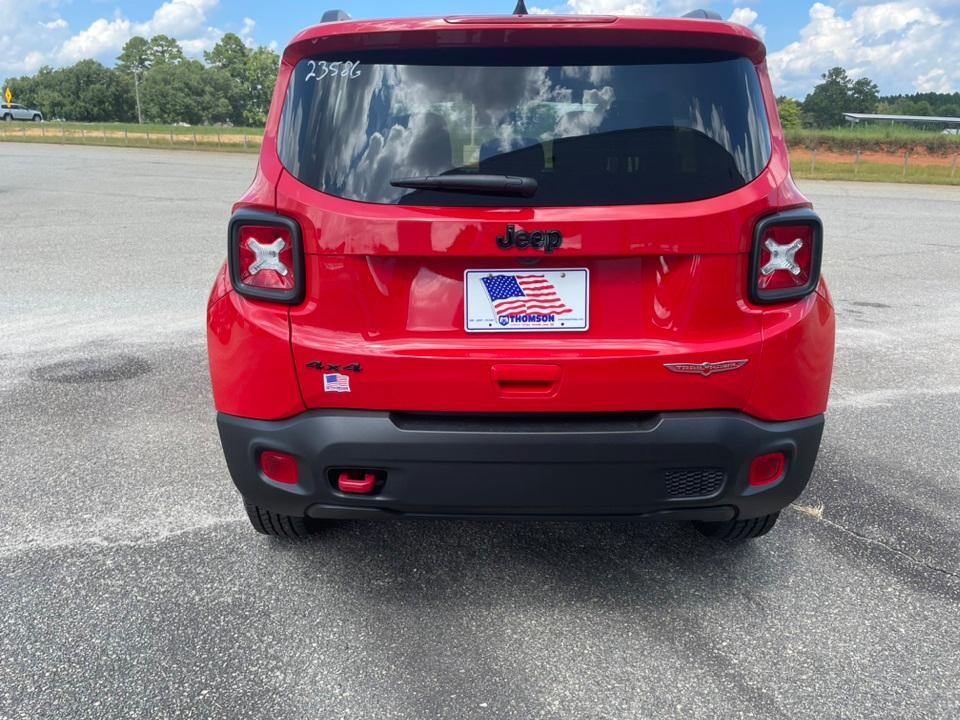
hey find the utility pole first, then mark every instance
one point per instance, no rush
(136, 89)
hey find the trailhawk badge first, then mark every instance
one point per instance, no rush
(706, 369)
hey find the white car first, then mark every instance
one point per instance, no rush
(13, 111)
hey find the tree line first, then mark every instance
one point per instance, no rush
(154, 81)
(838, 93)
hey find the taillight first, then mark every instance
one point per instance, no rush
(785, 263)
(265, 256)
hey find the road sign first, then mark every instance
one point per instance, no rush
(9, 96)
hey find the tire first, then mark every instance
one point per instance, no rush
(8, 117)
(277, 525)
(37, 118)
(734, 531)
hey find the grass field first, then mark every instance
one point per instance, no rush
(902, 167)
(236, 139)
(874, 172)
(874, 137)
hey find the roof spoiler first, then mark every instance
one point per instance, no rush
(562, 31)
(704, 15)
(334, 16)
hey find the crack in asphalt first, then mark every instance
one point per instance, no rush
(873, 541)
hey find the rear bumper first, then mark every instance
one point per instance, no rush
(685, 465)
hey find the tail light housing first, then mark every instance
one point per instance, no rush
(265, 255)
(785, 263)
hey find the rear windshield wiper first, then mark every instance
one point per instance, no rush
(480, 184)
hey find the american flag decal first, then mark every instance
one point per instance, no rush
(335, 382)
(523, 295)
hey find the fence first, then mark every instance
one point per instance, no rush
(915, 166)
(179, 137)
(898, 165)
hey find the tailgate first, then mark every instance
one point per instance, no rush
(386, 309)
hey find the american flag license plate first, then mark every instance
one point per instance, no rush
(525, 300)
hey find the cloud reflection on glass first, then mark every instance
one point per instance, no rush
(694, 125)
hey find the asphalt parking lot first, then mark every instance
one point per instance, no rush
(132, 586)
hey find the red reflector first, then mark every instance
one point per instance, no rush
(766, 469)
(786, 257)
(356, 483)
(279, 467)
(266, 257)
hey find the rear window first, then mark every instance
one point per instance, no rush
(592, 127)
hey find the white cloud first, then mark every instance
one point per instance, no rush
(903, 46)
(182, 19)
(246, 32)
(195, 47)
(101, 36)
(672, 8)
(748, 18)
(601, 7)
(39, 36)
(934, 81)
(33, 61)
(178, 18)
(27, 28)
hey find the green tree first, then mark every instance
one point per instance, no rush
(254, 74)
(134, 60)
(237, 87)
(229, 55)
(135, 56)
(790, 113)
(826, 104)
(98, 93)
(187, 92)
(164, 50)
(864, 96)
(87, 91)
(259, 79)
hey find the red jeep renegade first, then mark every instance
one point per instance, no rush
(522, 266)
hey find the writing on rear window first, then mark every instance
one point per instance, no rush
(592, 126)
(320, 69)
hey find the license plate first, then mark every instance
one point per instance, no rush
(525, 300)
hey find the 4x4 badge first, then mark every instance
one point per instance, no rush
(706, 369)
(334, 367)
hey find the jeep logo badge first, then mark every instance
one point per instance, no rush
(546, 240)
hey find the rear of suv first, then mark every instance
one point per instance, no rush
(522, 266)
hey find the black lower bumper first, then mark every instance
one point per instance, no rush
(686, 465)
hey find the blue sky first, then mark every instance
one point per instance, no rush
(903, 45)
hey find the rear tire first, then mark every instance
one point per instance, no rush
(277, 525)
(8, 117)
(734, 531)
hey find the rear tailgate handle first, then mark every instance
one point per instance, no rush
(521, 379)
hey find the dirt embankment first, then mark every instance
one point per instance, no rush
(916, 156)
